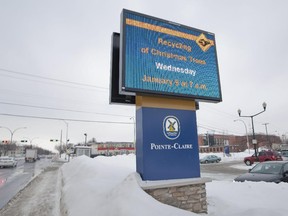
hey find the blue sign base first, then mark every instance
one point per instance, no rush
(166, 144)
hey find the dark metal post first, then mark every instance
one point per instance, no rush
(254, 141)
(85, 134)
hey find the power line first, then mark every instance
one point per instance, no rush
(51, 83)
(51, 79)
(66, 119)
(104, 122)
(86, 85)
(219, 112)
(219, 130)
(59, 109)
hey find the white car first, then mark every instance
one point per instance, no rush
(7, 162)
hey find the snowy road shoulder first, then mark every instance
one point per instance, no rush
(40, 197)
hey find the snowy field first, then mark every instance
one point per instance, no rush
(107, 186)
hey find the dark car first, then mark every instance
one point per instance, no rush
(263, 156)
(270, 171)
(210, 159)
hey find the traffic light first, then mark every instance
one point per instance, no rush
(53, 140)
(5, 141)
(24, 141)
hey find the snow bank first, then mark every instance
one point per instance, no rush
(108, 186)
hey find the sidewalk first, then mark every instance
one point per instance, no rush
(42, 196)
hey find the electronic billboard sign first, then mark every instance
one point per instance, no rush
(166, 58)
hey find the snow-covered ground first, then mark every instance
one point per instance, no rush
(108, 186)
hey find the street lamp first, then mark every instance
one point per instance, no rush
(254, 141)
(247, 142)
(12, 132)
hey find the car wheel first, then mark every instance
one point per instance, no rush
(248, 163)
(206, 161)
(217, 161)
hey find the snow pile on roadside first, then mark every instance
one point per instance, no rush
(107, 186)
(248, 198)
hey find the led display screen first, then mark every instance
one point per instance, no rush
(165, 58)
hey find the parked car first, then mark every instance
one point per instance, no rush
(210, 159)
(269, 171)
(262, 156)
(284, 155)
(7, 162)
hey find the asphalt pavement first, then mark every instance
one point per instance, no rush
(222, 170)
(41, 196)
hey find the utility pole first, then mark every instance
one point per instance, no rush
(60, 143)
(267, 137)
(85, 134)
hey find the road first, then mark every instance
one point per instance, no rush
(42, 196)
(12, 180)
(223, 170)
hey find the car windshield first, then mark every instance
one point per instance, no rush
(267, 168)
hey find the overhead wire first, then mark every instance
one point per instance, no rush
(66, 119)
(60, 109)
(52, 79)
(52, 108)
(227, 115)
(55, 83)
(215, 129)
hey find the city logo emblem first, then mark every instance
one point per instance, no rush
(171, 127)
(204, 43)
